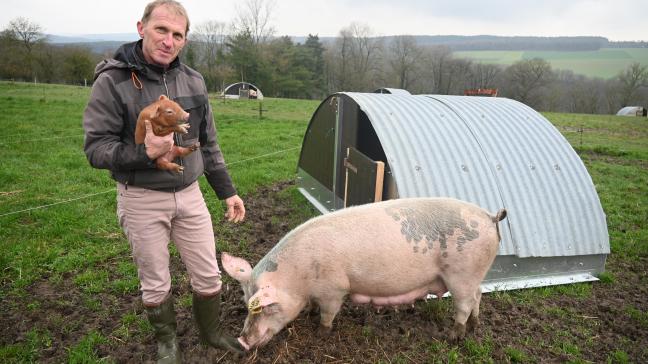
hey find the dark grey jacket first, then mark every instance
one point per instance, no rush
(123, 86)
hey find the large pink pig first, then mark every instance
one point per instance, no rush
(386, 253)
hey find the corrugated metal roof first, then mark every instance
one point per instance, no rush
(494, 152)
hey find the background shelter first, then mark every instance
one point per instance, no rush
(632, 111)
(242, 90)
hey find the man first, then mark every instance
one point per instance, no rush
(154, 206)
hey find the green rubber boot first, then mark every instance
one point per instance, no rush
(163, 320)
(206, 311)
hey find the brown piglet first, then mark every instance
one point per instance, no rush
(166, 116)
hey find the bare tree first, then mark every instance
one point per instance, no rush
(27, 32)
(28, 36)
(526, 79)
(630, 81)
(254, 17)
(404, 58)
(211, 36)
(354, 59)
(457, 77)
(439, 58)
(484, 75)
(210, 45)
(574, 93)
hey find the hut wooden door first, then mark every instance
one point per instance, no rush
(363, 178)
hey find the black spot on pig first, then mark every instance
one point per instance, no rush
(268, 265)
(429, 224)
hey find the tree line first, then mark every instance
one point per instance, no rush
(356, 60)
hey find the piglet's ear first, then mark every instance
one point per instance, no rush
(163, 97)
(155, 113)
(265, 297)
(237, 268)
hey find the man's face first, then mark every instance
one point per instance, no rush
(163, 36)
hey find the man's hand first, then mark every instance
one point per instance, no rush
(156, 146)
(235, 209)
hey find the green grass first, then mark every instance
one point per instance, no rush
(57, 215)
(604, 63)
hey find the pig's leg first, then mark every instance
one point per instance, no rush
(464, 300)
(473, 320)
(328, 310)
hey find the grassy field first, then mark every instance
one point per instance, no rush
(604, 63)
(58, 225)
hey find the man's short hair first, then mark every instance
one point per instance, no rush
(172, 4)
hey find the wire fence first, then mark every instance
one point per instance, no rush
(41, 139)
(69, 200)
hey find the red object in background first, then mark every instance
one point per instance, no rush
(492, 92)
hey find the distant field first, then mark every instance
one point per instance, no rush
(605, 63)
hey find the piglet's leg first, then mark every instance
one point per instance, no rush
(165, 164)
(184, 151)
(181, 128)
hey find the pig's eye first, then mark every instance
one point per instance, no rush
(169, 112)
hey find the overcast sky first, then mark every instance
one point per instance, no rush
(613, 19)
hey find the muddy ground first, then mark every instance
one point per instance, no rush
(557, 328)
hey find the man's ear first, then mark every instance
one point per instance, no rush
(140, 29)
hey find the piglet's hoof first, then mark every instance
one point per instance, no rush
(194, 147)
(182, 128)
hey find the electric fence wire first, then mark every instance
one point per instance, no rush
(113, 189)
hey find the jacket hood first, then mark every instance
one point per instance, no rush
(130, 56)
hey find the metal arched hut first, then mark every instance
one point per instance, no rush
(242, 90)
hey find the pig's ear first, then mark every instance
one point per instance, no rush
(163, 97)
(265, 299)
(237, 268)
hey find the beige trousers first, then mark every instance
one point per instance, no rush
(151, 219)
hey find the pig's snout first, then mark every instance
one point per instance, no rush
(185, 116)
(241, 341)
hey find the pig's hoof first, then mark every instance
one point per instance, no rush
(472, 324)
(455, 335)
(194, 147)
(179, 169)
(323, 331)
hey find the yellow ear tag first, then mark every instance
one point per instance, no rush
(255, 306)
